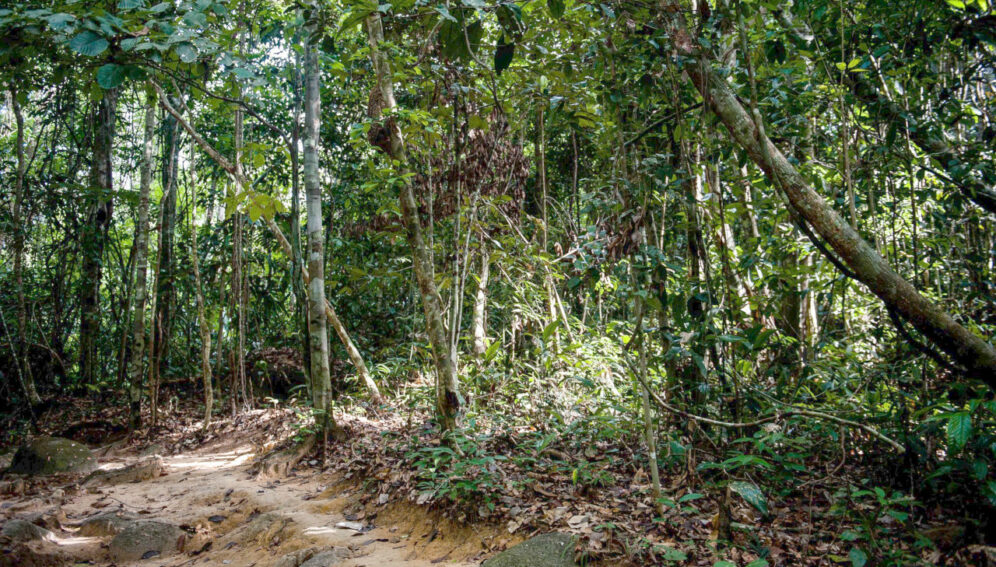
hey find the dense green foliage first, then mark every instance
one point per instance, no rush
(629, 237)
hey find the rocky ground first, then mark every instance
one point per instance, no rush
(209, 505)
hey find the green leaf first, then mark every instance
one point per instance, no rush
(130, 4)
(758, 563)
(454, 42)
(503, 55)
(959, 429)
(88, 43)
(110, 76)
(556, 8)
(724, 564)
(752, 494)
(858, 557)
(186, 52)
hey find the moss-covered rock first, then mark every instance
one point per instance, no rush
(545, 550)
(147, 538)
(50, 455)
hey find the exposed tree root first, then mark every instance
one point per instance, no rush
(277, 463)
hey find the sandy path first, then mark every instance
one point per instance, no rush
(216, 483)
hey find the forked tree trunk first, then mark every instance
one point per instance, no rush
(448, 400)
(94, 235)
(966, 348)
(136, 366)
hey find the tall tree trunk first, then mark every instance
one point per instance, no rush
(136, 366)
(297, 261)
(202, 322)
(94, 235)
(165, 288)
(965, 347)
(320, 379)
(20, 228)
(448, 400)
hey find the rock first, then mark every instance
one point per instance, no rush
(355, 526)
(21, 531)
(146, 469)
(50, 455)
(545, 550)
(105, 524)
(141, 537)
(296, 558)
(327, 558)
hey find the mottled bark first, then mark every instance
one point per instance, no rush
(479, 323)
(136, 363)
(321, 390)
(94, 234)
(202, 322)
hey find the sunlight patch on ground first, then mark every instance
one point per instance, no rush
(212, 461)
(319, 530)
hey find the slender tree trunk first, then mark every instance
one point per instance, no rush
(136, 363)
(162, 331)
(965, 347)
(297, 261)
(202, 322)
(448, 400)
(94, 236)
(321, 381)
(20, 228)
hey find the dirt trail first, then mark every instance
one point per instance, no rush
(247, 522)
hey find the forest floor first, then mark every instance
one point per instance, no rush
(392, 494)
(233, 516)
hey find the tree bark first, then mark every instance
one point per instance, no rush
(202, 322)
(971, 351)
(319, 344)
(136, 366)
(448, 400)
(30, 390)
(94, 235)
(479, 325)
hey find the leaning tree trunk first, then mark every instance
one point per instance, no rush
(321, 383)
(448, 400)
(136, 366)
(94, 235)
(30, 391)
(966, 348)
(245, 184)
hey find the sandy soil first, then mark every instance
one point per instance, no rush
(239, 521)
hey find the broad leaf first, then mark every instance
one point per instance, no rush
(110, 76)
(752, 494)
(959, 429)
(503, 55)
(88, 43)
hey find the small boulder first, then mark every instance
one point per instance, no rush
(147, 538)
(22, 531)
(50, 455)
(545, 550)
(327, 558)
(105, 524)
